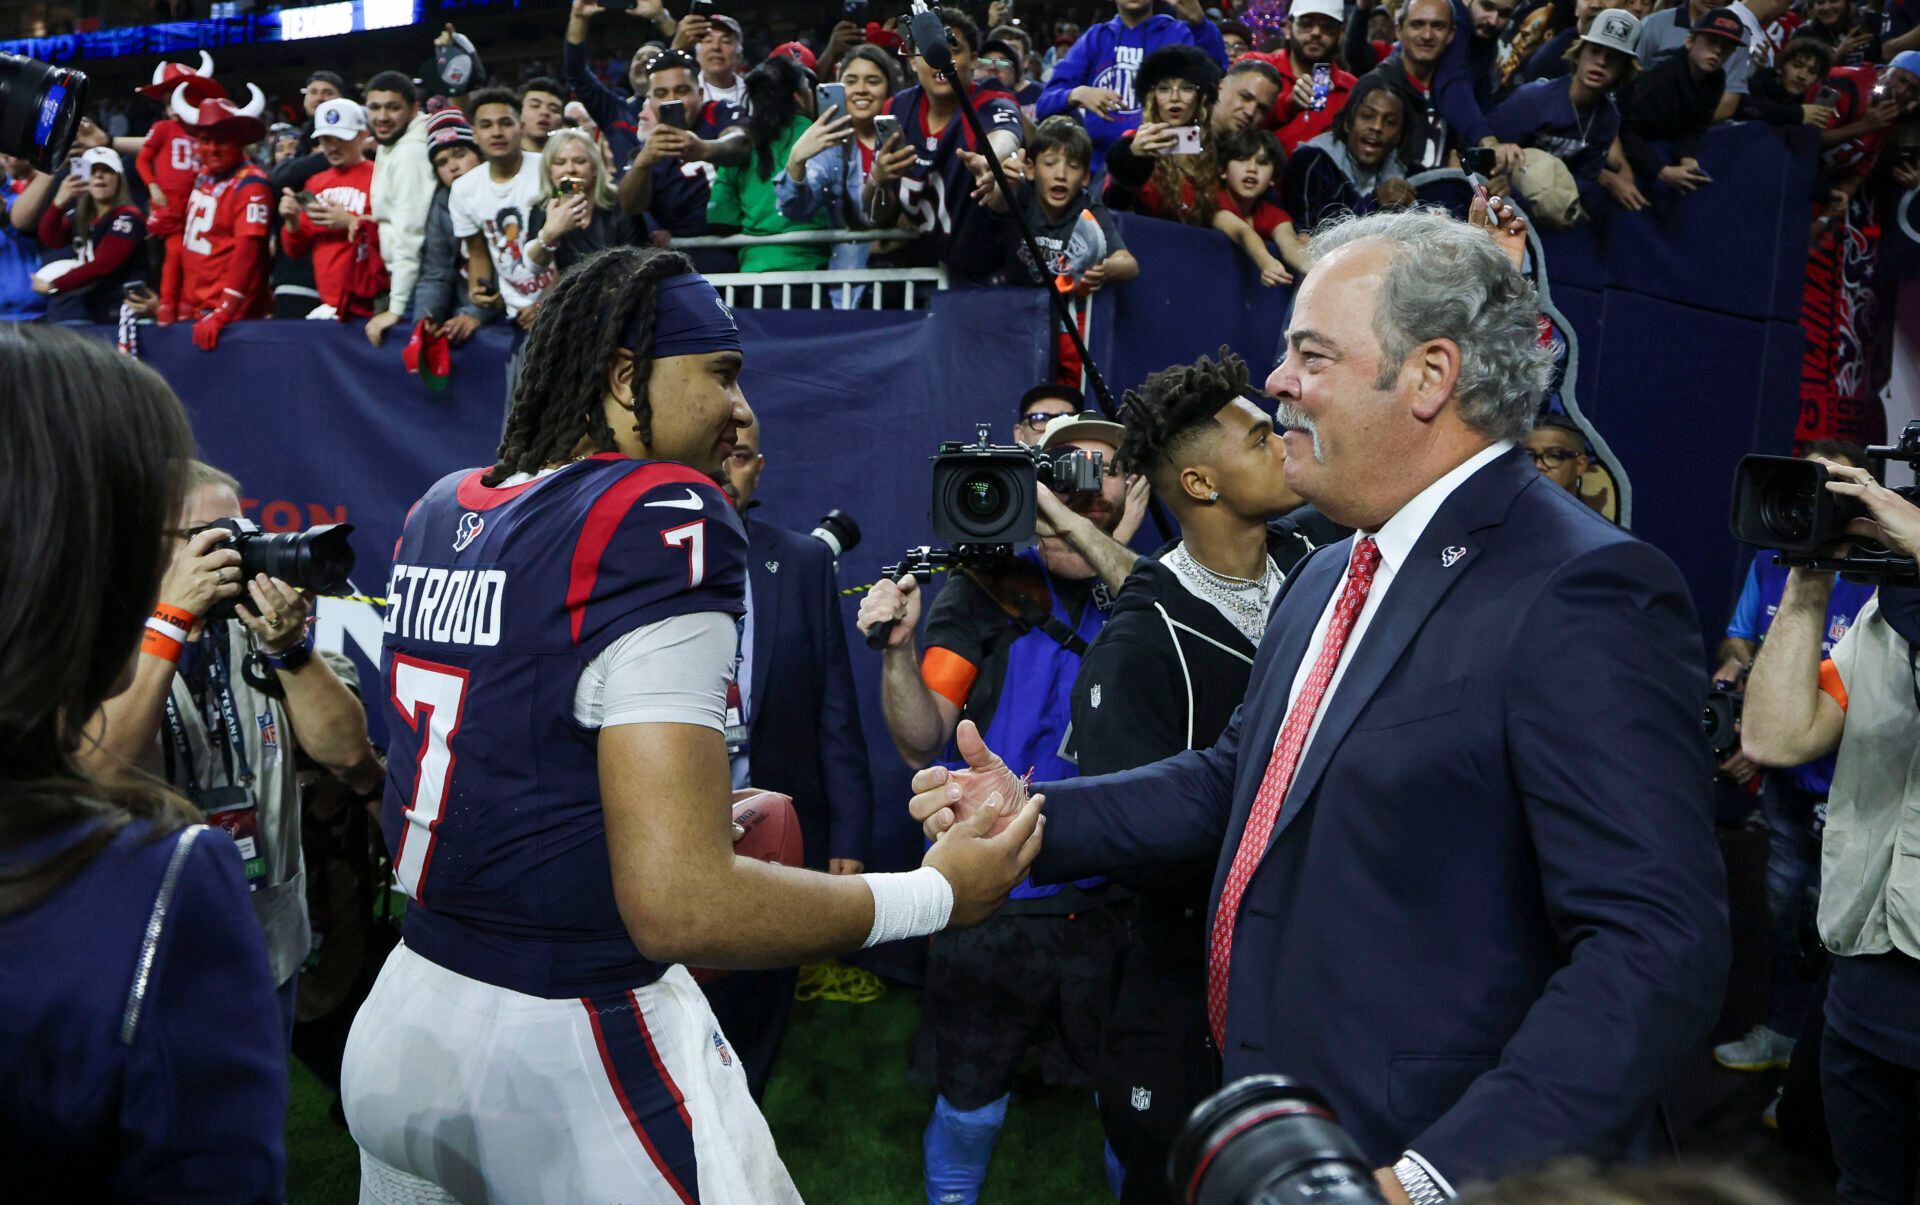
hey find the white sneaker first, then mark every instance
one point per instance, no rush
(1761, 1050)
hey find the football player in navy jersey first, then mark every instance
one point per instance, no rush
(561, 628)
(923, 184)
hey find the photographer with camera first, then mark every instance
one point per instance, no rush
(1863, 705)
(1004, 643)
(1791, 799)
(1166, 674)
(202, 715)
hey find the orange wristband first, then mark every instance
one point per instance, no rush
(176, 616)
(160, 645)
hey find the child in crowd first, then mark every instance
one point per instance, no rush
(1253, 159)
(1054, 205)
(1076, 234)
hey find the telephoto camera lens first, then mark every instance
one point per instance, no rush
(318, 559)
(838, 532)
(1267, 1140)
(40, 108)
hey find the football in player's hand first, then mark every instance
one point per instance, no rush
(772, 828)
(766, 828)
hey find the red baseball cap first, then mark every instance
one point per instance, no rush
(796, 51)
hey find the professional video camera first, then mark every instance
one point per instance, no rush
(1267, 1140)
(986, 496)
(318, 559)
(986, 504)
(40, 108)
(1782, 503)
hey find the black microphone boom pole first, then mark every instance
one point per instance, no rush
(930, 43)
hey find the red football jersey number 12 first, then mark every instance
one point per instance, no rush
(430, 698)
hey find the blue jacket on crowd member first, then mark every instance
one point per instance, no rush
(141, 1054)
(803, 719)
(1753, 616)
(836, 185)
(19, 257)
(1541, 114)
(1488, 928)
(1107, 56)
(616, 115)
(1464, 85)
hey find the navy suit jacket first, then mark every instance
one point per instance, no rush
(1491, 920)
(804, 736)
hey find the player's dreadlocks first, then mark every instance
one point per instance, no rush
(1174, 406)
(563, 375)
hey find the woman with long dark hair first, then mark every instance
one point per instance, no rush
(745, 198)
(140, 1045)
(829, 165)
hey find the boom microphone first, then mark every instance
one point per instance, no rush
(930, 40)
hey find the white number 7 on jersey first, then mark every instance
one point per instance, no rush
(422, 690)
(693, 537)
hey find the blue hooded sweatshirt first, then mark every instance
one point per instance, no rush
(1107, 56)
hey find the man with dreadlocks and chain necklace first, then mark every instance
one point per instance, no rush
(1165, 675)
(561, 629)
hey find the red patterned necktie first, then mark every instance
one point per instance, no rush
(1279, 776)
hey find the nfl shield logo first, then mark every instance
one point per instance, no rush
(1094, 696)
(1142, 1100)
(720, 1044)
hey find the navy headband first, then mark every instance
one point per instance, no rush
(689, 319)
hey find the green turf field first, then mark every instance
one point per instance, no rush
(847, 1118)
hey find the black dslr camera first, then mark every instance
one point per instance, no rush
(1268, 1140)
(318, 559)
(1782, 503)
(1720, 721)
(986, 496)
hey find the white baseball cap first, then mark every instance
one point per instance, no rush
(102, 156)
(1336, 9)
(339, 118)
(1615, 29)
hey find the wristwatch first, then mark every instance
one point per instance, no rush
(294, 658)
(1418, 1182)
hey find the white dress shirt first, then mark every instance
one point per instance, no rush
(1396, 538)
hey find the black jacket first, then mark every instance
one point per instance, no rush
(1666, 104)
(1166, 674)
(1769, 101)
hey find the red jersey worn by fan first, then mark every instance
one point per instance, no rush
(332, 250)
(220, 215)
(167, 161)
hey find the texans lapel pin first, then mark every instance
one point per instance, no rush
(1449, 555)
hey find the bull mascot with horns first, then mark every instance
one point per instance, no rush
(167, 162)
(224, 242)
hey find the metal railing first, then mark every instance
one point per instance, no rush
(814, 289)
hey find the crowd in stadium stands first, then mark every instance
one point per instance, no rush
(1258, 126)
(428, 203)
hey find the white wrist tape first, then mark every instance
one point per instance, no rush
(911, 904)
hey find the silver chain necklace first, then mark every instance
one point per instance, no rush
(1243, 601)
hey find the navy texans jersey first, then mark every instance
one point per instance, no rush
(499, 598)
(937, 192)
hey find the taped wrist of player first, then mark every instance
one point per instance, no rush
(914, 903)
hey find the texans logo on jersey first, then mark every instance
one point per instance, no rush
(471, 525)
